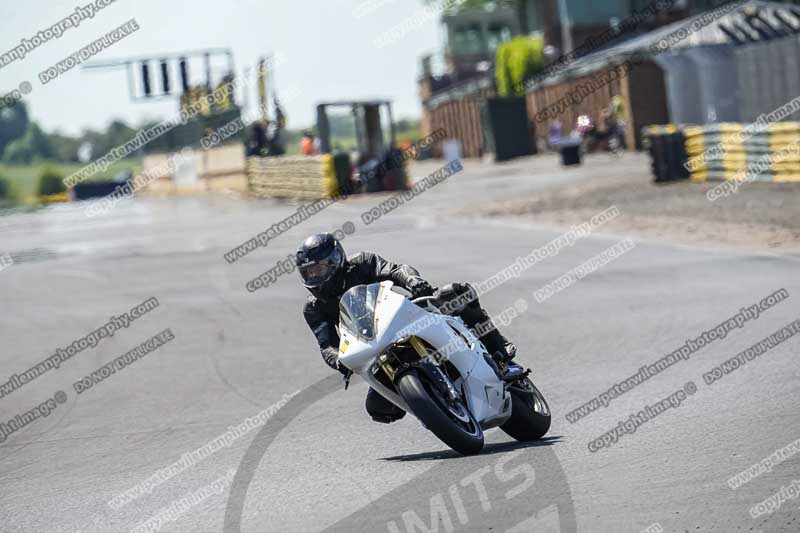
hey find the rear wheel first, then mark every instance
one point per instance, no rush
(530, 414)
(450, 421)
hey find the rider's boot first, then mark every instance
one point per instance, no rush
(510, 370)
(382, 410)
(503, 352)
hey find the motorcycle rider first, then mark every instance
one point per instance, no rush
(327, 274)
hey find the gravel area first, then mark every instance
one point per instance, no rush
(761, 217)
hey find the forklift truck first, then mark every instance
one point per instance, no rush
(376, 164)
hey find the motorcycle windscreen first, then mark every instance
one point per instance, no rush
(357, 310)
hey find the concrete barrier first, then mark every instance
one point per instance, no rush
(728, 151)
(218, 169)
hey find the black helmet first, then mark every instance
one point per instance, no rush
(320, 260)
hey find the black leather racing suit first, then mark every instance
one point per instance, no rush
(322, 315)
(364, 268)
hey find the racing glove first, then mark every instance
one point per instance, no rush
(419, 287)
(331, 357)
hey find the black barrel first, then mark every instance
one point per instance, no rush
(570, 152)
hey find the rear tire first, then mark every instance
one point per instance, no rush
(530, 414)
(465, 437)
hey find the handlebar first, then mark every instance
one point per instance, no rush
(427, 302)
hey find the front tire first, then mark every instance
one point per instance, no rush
(454, 425)
(530, 414)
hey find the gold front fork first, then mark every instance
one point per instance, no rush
(421, 348)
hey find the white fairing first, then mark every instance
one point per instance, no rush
(398, 318)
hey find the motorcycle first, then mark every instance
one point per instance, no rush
(431, 365)
(612, 139)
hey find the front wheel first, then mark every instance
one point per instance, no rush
(530, 414)
(450, 421)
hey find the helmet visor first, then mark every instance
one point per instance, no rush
(316, 274)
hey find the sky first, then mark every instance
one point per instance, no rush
(327, 51)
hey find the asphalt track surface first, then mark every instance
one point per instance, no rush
(319, 463)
